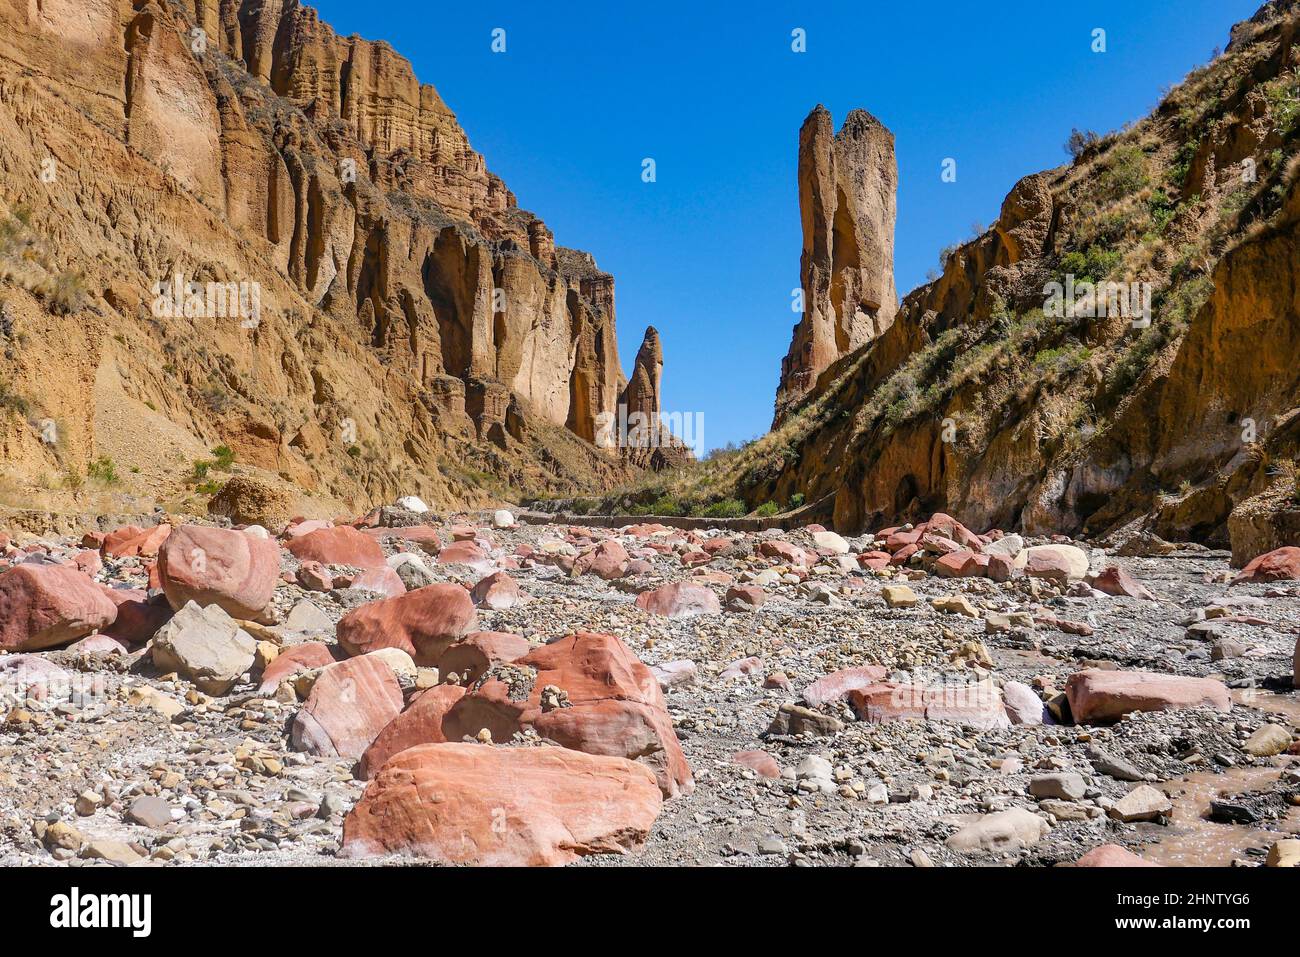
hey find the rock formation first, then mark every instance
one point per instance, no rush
(410, 325)
(645, 439)
(847, 187)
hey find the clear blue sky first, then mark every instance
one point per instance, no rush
(713, 92)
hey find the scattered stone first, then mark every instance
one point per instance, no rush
(1067, 786)
(672, 674)
(150, 811)
(793, 719)
(1143, 803)
(1001, 832)
(899, 596)
(1285, 853)
(204, 645)
(955, 605)
(1268, 740)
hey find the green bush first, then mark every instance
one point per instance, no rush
(67, 293)
(1126, 174)
(103, 470)
(797, 500)
(766, 509)
(225, 458)
(727, 508)
(1094, 265)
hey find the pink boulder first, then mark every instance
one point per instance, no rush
(1281, 564)
(341, 545)
(1115, 580)
(1112, 855)
(138, 618)
(608, 560)
(421, 723)
(423, 623)
(760, 762)
(462, 553)
(44, 606)
(512, 807)
(350, 704)
(218, 566)
(604, 701)
(478, 651)
(837, 685)
(976, 705)
(679, 600)
(1097, 696)
(293, 661)
(133, 542)
(497, 592)
(748, 597)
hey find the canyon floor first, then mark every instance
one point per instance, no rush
(229, 788)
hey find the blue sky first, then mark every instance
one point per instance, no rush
(714, 94)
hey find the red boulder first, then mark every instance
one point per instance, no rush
(342, 545)
(423, 623)
(218, 566)
(44, 606)
(512, 807)
(349, 705)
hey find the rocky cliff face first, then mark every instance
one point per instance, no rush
(416, 329)
(848, 182)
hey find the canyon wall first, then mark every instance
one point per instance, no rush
(416, 325)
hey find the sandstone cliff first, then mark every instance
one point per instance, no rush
(848, 182)
(416, 330)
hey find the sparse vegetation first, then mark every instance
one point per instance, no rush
(11, 400)
(727, 508)
(65, 293)
(104, 470)
(1079, 141)
(223, 458)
